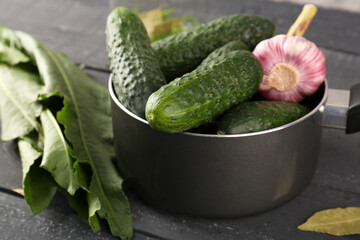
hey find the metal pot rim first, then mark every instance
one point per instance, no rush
(137, 118)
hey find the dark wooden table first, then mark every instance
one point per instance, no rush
(76, 27)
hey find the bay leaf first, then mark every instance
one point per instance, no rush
(159, 24)
(166, 28)
(337, 221)
(150, 19)
(19, 191)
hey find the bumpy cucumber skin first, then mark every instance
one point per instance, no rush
(228, 47)
(259, 115)
(136, 70)
(183, 52)
(200, 96)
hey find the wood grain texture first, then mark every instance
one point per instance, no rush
(57, 222)
(60, 222)
(76, 27)
(10, 165)
(279, 224)
(329, 29)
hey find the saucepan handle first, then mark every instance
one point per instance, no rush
(342, 109)
(353, 113)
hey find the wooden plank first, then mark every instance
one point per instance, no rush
(342, 69)
(76, 27)
(57, 222)
(10, 165)
(339, 165)
(280, 223)
(60, 222)
(330, 28)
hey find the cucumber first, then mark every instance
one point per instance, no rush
(228, 47)
(136, 71)
(200, 96)
(183, 52)
(259, 115)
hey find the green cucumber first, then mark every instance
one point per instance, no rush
(183, 52)
(230, 46)
(200, 96)
(259, 115)
(136, 71)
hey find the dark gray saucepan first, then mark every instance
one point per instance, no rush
(226, 176)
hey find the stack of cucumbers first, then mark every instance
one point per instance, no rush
(206, 74)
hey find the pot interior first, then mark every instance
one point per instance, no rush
(314, 102)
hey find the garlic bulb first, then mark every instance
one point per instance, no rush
(293, 68)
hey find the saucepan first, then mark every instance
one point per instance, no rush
(210, 175)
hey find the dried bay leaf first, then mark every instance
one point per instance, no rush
(166, 28)
(159, 24)
(150, 19)
(337, 221)
(19, 191)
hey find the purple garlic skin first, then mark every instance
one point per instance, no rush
(294, 68)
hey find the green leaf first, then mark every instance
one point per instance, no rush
(56, 157)
(92, 146)
(11, 56)
(18, 100)
(94, 206)
(83, 174)
(337, 221)
(114, 195)
(39, 187)
(10, 38)
(86, 118)
(29, 151)
(80, 203)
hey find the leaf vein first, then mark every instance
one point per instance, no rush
(17, 105)
(72, 96)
